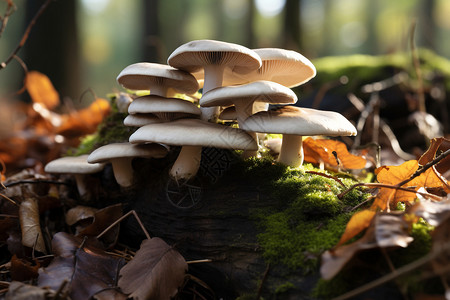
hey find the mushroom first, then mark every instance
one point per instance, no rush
(294, 122)
(192, 134)
(244, 96)
(285, 67)
(166, 109)
(139, 120)
(213, 57)
(76, 166)
(157, 78)
(120, 155)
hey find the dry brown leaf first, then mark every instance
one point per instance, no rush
(30, 226)
(41, 89)
(84, 121)
(387, 230)
(86, 269)
(22, 270)
(79, 213)
(321, 151)
(21, 291)
(156, 272)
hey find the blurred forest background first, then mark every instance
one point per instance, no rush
(82, 44)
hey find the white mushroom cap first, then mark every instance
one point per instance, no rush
(139, 120)
(164, 108)
(157, 78)
(293, 123)
(285, 67)
(194, 132)
(75, 165)
(243, 96)
(214, 57)
(228, 114)
(192, 135)
(121, 154)
(195, 55)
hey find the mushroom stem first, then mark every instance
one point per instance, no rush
(81, 185)
(159, 90)
(244, 109)
(291, 152)
(187, 163)
(213, 79)
(123, 171)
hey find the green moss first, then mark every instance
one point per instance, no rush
(111, 130)
(282, 288)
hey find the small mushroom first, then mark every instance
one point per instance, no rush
(294, 122)
(139, 120)
(120, 155)
(213, 57)
(192, 134)
(285, 67)
(76, 166)
(166, 109)
(157, 78)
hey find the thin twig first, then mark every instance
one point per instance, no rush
(26, 34)
(396, 187)
(10, 9)
(199, 261)
(327, 176)
(425, 167)
(36, 181)
(263, 280)
(120, 220)
(400, 271)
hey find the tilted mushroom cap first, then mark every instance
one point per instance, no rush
(139, 120)
(193, 56)
(263, 91)
(73, 165)
(194, 132)
(118, 150)
(293, 123)
(299, 121)
(285, 67)
(121, 155)
(164, 108)
(228, 114)
(149, 76)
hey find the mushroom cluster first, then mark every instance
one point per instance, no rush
(237, 81)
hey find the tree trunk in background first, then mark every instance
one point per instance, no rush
(53, 47)
(426, 25)
(371, 23)
(249, 33)
(152, 43)
(292, 25)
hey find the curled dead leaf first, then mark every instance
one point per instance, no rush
(30, 226)
(156, 272)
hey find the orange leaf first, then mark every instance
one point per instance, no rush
(393, 175)
(359, 222)
(41, 89)
(321, 150)
(84, 121)
(437, 146)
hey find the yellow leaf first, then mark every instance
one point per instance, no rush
(41, 89)
(358, 223)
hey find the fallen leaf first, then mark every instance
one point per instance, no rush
(393, 175)
(387, 230)
(22, 270)
(102, 219)
(357, 223)
(30, 226)
(79, 213)
(321, 151)
(156, 271)
(41, 89)
(84, 121)
(21, 291)
(86, 269)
